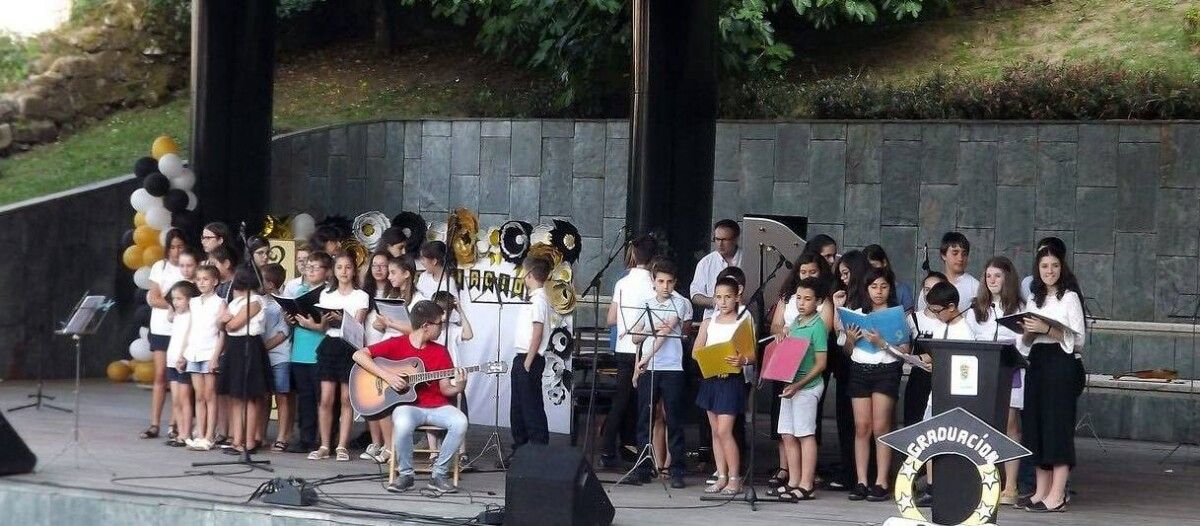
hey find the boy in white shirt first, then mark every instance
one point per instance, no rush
(527, 414)
(955, 250)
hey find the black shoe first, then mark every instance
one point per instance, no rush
(924, 500)
(608, 461)
(858, 492)
(677, 482)
(878, 493)
(1023, 503)
(402, 484)
(644, 476)
(300, 447)
(441, 485)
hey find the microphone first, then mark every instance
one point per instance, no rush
(783, 262)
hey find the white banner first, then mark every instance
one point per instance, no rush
(492, 304)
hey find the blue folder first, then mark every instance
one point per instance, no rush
(889, 323)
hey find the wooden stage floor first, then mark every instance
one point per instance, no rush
(116, 478)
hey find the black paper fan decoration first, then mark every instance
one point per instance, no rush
(565, 237)
(514, 240)
(413, 226)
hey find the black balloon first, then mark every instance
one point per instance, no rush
(185, 220)
(176, 201)
(156, 184)
(127, 238)
(145, 166)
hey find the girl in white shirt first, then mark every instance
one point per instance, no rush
(202, 352)
(333, 356)
(245, 379)
(433, 258)
(1054, 378)
(181, 391)
(163, 274)
(401, 274)
(1000, 296)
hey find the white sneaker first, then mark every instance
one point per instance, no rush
(371, 452)
(200, 444)
(383, 456)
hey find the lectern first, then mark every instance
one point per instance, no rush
(978, 377)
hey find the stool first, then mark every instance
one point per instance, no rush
(455, 465)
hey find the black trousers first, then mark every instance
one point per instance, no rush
(620, 421)
(306, 385)
(916, 395)
(845, 422)
(527, 414)
(668, 386)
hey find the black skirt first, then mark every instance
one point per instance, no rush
(244, 373)
(1048, 420)
(335, 356)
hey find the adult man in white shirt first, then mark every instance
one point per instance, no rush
(955, 250)
(726, 253)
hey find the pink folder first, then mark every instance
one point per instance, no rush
(782, 359)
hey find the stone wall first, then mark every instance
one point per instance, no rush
(60, 246)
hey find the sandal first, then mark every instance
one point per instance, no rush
(778, 491)
(718, 485)
(222, 440)
(279, 446)
(321, 453)
(150, 432)
(175, 442)
(728, 491)
(172, 432)
(779, 479)
(796, 494)
(343, 454)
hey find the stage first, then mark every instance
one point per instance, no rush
(121, 479)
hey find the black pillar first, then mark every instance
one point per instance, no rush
(673, 124)
(233, 66)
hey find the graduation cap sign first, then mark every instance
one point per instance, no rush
(954, 432)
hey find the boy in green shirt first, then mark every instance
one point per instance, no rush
(798, 409)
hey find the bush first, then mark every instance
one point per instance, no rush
(1036, 90)
(14, 60)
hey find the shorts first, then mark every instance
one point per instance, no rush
(281, 378)
(867, 379)
(158, 342)
(1016, 399)
(798, 414)
(199, 367)
(173, 375)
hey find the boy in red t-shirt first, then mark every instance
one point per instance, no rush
(432, 407)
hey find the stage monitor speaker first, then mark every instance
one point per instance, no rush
(15, 456)
(552, 486)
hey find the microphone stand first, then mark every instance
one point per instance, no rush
(749, 495)
(594, 288)
(244, 459)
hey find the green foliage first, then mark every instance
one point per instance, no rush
(1191, 26)
(1035, 91)
(14, 59)
(585, 44)
(289, 8)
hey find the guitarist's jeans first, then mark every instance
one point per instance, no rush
(406, 418)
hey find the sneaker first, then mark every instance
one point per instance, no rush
(441, 484)
(383, 456)
(371, 452)
(878, 493)
(677, 482)
(712, 479)
(608, 461)
(402, 484)
(200, 444)
(858, 492)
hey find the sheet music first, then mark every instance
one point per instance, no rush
(81, 321)
(352, 331)
(397, 312)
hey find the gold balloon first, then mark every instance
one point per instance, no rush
(139, 219)
(145, 236)
(143, 372)
(119, 371)
(163, 145)
(152, 254)
(132, 257)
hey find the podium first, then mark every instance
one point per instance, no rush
(977, 377)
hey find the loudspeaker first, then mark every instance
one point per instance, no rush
(552, 486)
(15, 456)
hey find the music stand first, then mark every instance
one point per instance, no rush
(651, 317)
(493, 440)
(1190, 311)
(1091, 313)
(89, 313)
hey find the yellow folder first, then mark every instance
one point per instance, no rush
(711, 358)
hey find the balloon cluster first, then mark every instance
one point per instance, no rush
(165, 200)
(140, 368)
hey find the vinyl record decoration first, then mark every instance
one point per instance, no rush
(413, 226)
(562, 343)
(369, 227)
(565, 237)
(514, 241)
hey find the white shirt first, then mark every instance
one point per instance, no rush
(989, 330)
(427, 285)
(631, 291)
(257, 323)
(355, 301)
(1069, 312)
(705, 280)
(373, 336)
(179, 329)
(291, 284)
(1027, 288)
(204, 331)
(931, 327)
(537, 311)
(165, 275)
(670, 356)
(277, 324)
(968, 288)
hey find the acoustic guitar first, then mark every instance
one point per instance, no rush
(370, 395)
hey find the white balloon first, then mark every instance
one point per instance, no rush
(141, 200)
(184, 181)
(159, 218)
(193, 201)
(303, 226)
(139, 350)
(141, 278)
(142, 332)
(170, 165)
